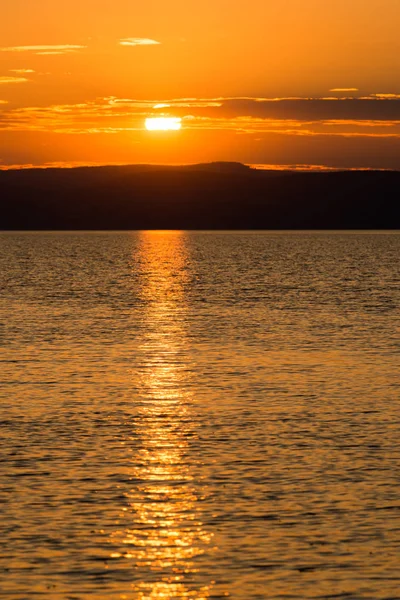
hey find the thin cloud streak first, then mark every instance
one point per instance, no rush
(61, 165)
(344, 90)
(22, 71)
(307, 168)
(138, 42)
(41, 49)
(6, 80)
(387, 96)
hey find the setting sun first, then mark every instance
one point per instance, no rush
(163, 123)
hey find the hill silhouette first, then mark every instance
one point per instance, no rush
(208, 196)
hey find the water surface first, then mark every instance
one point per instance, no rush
(200, 415)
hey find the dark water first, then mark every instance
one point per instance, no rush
(193, 415)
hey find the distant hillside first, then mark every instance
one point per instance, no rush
(215, 167)
(209, 196)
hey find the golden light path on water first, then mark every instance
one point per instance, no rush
(180, 409)
(166, 533)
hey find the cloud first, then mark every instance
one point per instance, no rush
(302, 117)
(387, 96)
(45, 49)
(138, 42)
(22, 71)
(157, 104)
(371, 108)
(6, 80)
(311, 109)
(61, 164)
(3, 101)
(294, 167)
(344, 90)
(307, 168)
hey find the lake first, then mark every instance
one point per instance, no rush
(200, 415)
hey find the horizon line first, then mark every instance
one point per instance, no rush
(299, 168)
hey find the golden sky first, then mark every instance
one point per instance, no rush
(288, 82)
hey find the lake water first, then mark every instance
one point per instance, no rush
(200, 415)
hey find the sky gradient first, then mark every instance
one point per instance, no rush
(294, 82)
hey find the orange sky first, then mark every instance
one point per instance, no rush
(283, 82)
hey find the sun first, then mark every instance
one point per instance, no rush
(163, 124)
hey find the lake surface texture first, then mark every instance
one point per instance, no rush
(200, 415)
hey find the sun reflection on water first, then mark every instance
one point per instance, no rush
(166, 534)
